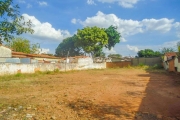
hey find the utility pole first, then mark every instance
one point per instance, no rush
(66, 59)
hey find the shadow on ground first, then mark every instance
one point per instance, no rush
(162, 97)
(100, 112)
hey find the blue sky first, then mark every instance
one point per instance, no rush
(143, 24)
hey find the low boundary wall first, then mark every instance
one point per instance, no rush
(10, 68)
(147, 61)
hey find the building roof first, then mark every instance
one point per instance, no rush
(170, 54)
(5, 46)
(25, 55)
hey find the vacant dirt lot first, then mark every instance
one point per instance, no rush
(111, 94)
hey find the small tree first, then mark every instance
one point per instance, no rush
(167, 49)
(23, 45)
(178, 46)
(148, 53)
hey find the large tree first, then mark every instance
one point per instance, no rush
(92, 40)
(148, 53)
(67, 46)
(11, 22)
(113, 36)
(23, 45)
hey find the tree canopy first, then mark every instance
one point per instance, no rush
(11, 22)
(68, 45)
(23, 45)
(178, 46)
(91, 39)
(148, 53)
(167, 49)
(113, 36)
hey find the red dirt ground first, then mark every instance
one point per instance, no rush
(110, 94)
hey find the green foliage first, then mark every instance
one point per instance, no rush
(148, 53)
(68, 45)
(166, 49)
(113, 37)
(23, 45)
(11, 22)
(56, 70)
(91, 39)
(178, 46)
(141, 64)
(18, 75)
(114, 55)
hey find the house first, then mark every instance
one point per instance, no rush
(177, 63)
(169, 61)
(5, 52)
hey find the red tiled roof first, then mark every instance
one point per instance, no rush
(21, 54)
(169, 54)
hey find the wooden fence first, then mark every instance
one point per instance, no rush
(118, 64)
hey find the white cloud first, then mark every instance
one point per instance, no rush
(21, 1)
(128, 27)
(29, 6)
(177, 26)
(107, 51)
(171, 44)
(123, 3)
(91, 2)
(133, 48)
(125, 27)
(123, 39)
(43, 3)
(45, 30)
(73, 21)
(163, 25)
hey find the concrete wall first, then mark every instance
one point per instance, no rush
(177, 64)
(5, 52)
(12, 68)
(147, 61)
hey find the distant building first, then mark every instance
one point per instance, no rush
(169, 61)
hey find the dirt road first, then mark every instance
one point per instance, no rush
(111, 94)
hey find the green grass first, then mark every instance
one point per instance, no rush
(22, 76)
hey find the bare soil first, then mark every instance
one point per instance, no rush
(110, 94)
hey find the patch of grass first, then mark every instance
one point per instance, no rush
(18, 75)
(56, 70)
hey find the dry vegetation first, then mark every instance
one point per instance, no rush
(110, 94)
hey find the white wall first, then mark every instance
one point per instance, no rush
(177, 64)
(5, 52)
(10, 68)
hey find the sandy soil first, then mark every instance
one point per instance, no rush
(111, 94)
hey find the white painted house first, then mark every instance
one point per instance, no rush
(5, 52)
(177, 64)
